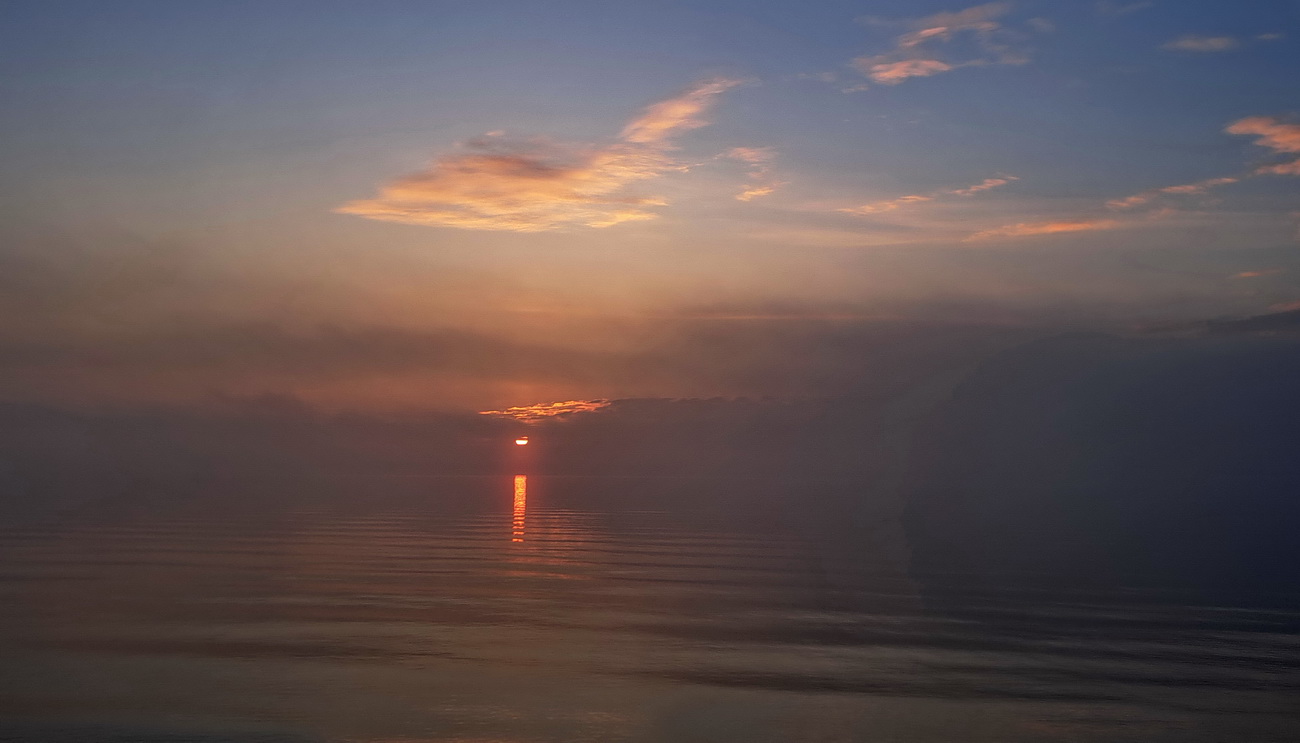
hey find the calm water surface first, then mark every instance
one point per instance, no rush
(501, 609)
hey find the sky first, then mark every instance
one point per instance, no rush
(470, 206)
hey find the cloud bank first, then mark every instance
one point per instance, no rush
(535, 184)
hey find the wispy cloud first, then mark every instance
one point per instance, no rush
(916, 52)
(1193, 43)
(1199, 188)
(1025, 229)
(984, 185)
(1272, 133)
(667, 118)
(893, 73)
(1291, 168)
(1258, 274)
(547, 410)
(760, 182)
(1276, 135)
(1109, 7)
(1211, 44)
(535, 184)
(887, 205)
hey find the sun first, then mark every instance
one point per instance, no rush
(521, 441)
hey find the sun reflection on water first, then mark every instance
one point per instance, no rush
(521, 504)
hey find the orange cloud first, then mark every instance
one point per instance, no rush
(535, 184)
(546, 410)
(754, 192)
(1192, 43)
(1024, 229)
(1275, 135)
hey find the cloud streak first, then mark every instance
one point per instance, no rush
(1108, 7)
(761, 182)
(887, 205)
(535, 184)
(1193, 43)
(1027, 229)
(547, 410)
(917, 52)
(1199, 188)
(1270, 132)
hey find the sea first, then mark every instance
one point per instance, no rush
(518, 608)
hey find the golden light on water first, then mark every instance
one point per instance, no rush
(521, 504)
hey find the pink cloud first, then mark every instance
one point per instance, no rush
(1291, 168)
(1198, 188)
(760, 172)
(1025, 229)
(1275, 135)
(985, 185)
(893, 73)
(1272, 133)
(888, 205)
(666, 118)
(1257, 274)
(915, 53)
(535, 184)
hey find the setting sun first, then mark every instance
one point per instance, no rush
(521, 441)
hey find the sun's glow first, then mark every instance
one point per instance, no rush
(521, 441)
(544, 410)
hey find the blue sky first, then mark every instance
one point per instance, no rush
(477, 167)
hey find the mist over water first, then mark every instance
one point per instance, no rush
(1083, 538)
(468, 609)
